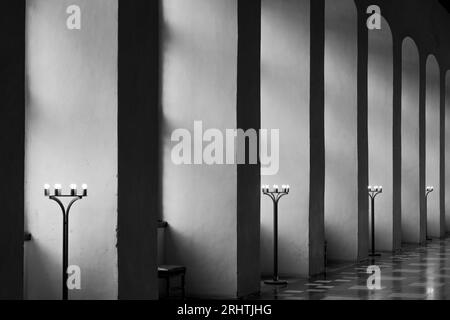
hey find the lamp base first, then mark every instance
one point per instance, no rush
(276, 282)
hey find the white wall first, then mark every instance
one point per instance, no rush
(447, 150)
(199, 83)
(341, 166)
(71, 137)
(380, 128)
(285, 106)
(411, 192)
(433, 145)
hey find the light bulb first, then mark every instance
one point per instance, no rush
(46, 190)
(84, 187)
(58, 188)
(73, 189)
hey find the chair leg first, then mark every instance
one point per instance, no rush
(168, 287)
(182, 287)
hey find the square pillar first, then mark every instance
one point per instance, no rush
(139, 188)
(12, 143)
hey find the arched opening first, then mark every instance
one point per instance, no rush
(411, 193)
(380, 132)
(434, 221)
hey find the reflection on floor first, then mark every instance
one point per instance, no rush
(417, 273)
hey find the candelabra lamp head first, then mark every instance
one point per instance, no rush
(285, 189)
(58, 191)
(276, 193)
(375, 190)
(430, 189)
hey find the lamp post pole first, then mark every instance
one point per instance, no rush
(428, 191)
(57, 196)
(373, 193)
(276, 194)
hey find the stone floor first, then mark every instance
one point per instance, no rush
(417, 273)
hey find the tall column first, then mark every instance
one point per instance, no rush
(363, 134)
(317, 137)
(139, 149)
(12, 140)
(248, 105)
(397, 140)
(422, 144)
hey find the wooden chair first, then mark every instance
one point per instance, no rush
(168, 272)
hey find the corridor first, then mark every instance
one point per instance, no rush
(217, 148)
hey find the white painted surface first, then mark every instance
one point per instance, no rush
(71, 137)
(341, 166)
(199, 83)
(285, 105)
(433, 145)
(380, 128)
(411, 192)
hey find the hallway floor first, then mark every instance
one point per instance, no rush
(417, 273)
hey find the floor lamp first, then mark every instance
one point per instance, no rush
(276, 194)
(428, 191)
(57, 196)
(373, 193)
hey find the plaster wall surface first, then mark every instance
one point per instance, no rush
(410, 143)
(71, 137)
(285, 106)
(199, 70)
(380, 128)
(433, 146)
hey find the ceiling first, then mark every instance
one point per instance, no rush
(445, 4)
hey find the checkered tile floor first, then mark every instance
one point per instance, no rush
(417, 273)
